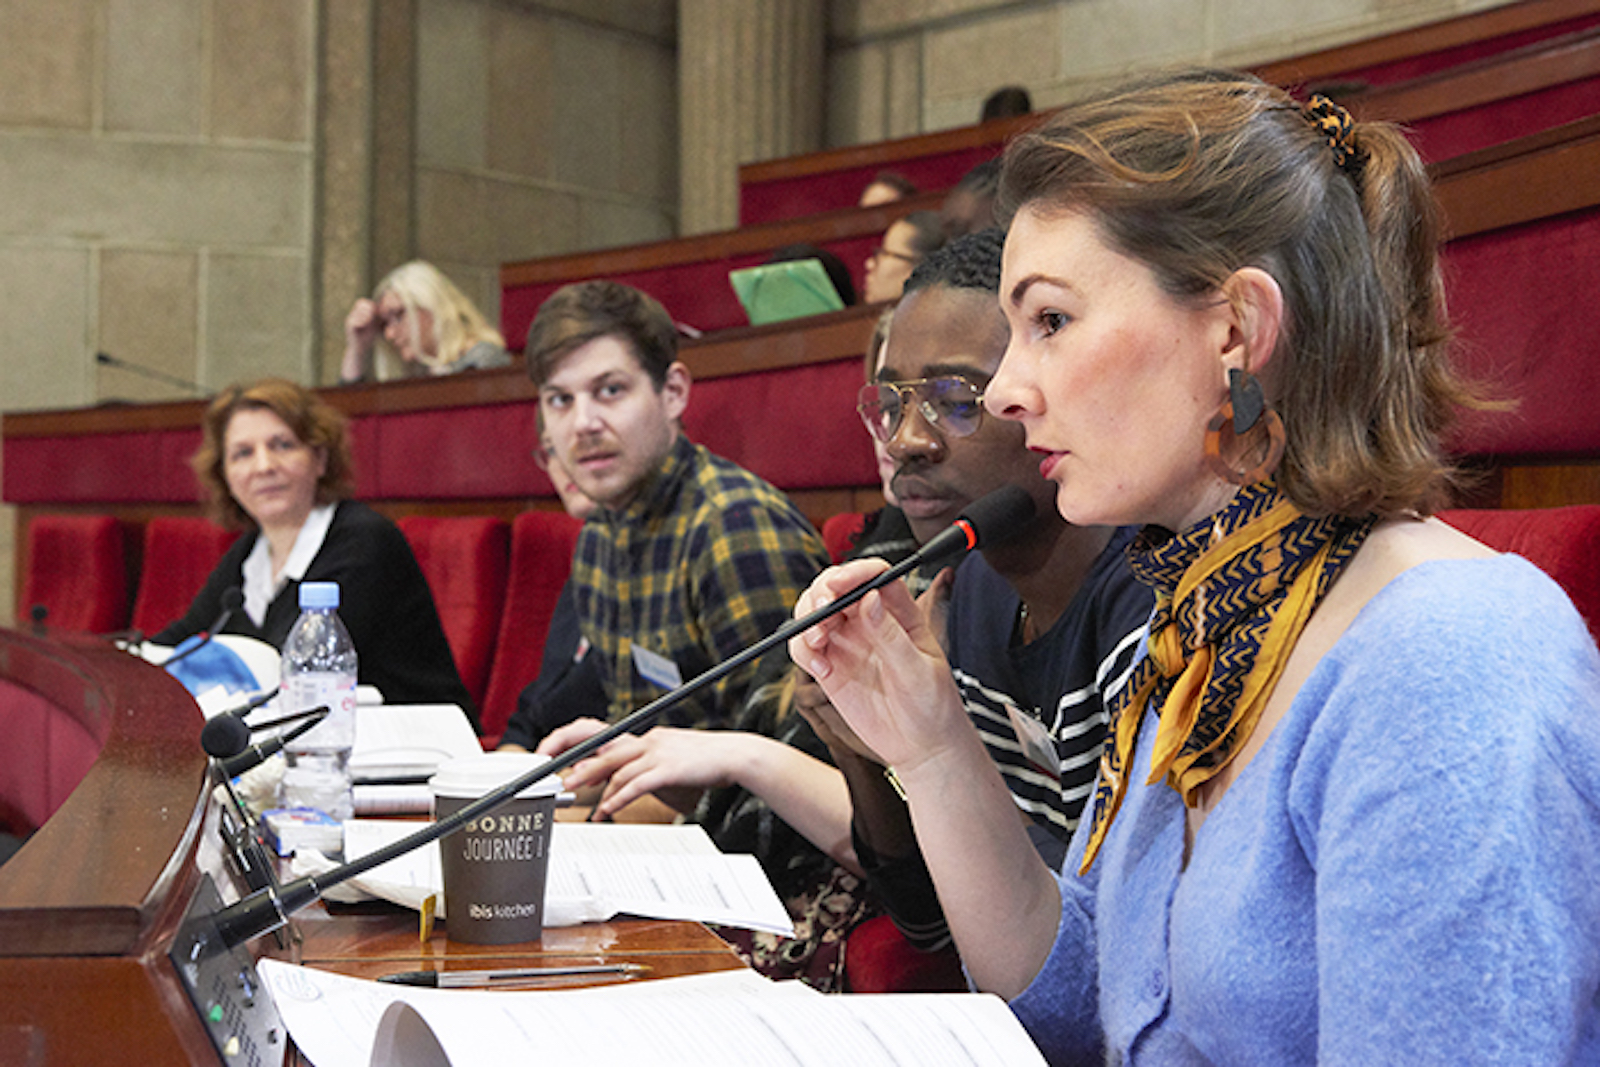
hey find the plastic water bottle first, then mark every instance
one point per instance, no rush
(319, 667)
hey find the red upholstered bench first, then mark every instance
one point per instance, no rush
(45, 756)
(696, 293)
(839, 533)
(878, 959)
(78, 572)
(179, 555)
(1562, 542)
(465, 560)
(541, 558)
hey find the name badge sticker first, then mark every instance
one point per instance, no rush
(1035, 741)
(655, 668)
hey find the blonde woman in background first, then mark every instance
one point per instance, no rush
(423, 326)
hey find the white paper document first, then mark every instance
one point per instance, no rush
(401, 740)
(598, 870)
(734, 1019)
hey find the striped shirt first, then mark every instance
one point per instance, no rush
(1060, 682)
(705, 561)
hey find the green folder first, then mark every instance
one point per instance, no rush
(774, 292)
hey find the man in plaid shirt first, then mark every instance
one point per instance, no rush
(690, 558)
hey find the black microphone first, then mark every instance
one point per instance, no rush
(223, 736)
(261, 751)
(226, 733)
(232, 601)
(252, 704)
(984, 522)
(108, 360)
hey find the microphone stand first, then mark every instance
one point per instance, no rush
(232, 600)
(105, 359)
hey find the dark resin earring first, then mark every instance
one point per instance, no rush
(1245, 415)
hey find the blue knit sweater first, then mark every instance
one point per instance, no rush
(1407, 872)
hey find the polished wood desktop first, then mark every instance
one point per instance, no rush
(91, 907)
(372, 940)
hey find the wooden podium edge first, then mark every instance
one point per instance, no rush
(90, 905)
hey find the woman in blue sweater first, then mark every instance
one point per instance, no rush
(1349, 809)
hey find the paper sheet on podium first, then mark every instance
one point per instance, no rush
(732, 1019)
(598, 870)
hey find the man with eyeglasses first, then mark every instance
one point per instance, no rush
(1039, 629)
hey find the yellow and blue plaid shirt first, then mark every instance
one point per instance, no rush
(705, 561)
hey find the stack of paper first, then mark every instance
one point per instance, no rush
(399, 747)
(597, 870)
(734, 1019)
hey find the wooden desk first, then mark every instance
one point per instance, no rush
(92, 906)
(370, 940)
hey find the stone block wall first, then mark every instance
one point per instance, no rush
(901, 67)
(542, 128)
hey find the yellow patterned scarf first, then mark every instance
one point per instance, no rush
(1233, 594)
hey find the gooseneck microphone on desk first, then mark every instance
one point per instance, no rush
(105, 359)
(232, 601)
(240, 758)
(985, 522)
(226, 733)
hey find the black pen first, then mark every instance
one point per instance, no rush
(513, 976)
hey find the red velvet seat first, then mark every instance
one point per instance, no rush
(78, 571)
(1562, 542)
(839, 533)
(878, 959)
(541, 558)
(46, 755)
(465, 560)
(179, 555)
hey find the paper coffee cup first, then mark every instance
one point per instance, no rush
(494, 866)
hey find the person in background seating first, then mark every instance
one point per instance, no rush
(1006, 102)
(1346, 812)
(969, 206)
(689, 560)
(689, 557)
(886, 187)
(275, 460)
(568, 686)
(423, 326)
(905, 243)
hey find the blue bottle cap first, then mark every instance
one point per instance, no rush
(319, 595)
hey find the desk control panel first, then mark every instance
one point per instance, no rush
(235, 1008)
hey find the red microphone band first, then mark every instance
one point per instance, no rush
(972, 535)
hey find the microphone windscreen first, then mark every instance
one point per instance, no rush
(232, 598)
(224, 736)
(1000, 515)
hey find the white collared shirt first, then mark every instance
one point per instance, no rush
(260, 585)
